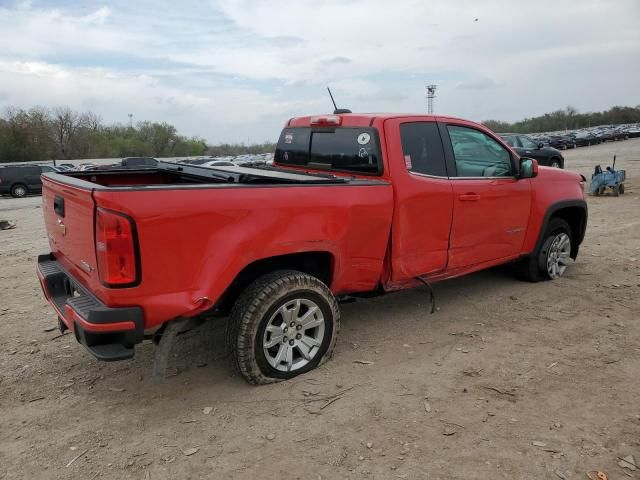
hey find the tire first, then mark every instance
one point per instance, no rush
(259, 317)
(616, 190)
(536, 267)
(621, 188)
(555, 163)
(19, 190)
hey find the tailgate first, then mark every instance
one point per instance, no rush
(69, 218)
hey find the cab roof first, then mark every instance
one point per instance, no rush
(366, 119)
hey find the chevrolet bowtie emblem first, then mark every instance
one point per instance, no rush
(62, 227)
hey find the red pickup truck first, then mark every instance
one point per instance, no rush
(355, 204)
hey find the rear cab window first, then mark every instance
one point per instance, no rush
(341, 149)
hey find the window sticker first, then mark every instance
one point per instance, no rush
(288, 138)
(364, 138)
(407, 162)
(362, 153)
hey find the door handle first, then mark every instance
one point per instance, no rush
(469, 197)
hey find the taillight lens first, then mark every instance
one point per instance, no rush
(116, 249)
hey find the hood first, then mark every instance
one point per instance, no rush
(558, 175)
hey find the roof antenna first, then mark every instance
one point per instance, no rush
(337, 110)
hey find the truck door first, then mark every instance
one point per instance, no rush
(491, 205)
(423, 198)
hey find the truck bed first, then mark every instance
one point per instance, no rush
(169, 174)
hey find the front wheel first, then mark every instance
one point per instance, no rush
(551, 259)
(555, 163)
(284, 324)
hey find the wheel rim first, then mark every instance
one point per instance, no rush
(293, 335)
(558, 256)
(19, 191)
(555, 164)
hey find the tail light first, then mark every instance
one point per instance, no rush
(116, 249)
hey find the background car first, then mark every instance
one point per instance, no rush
(219, 163)
(21, 180)
(585, 139)
(139, 162)
(525, 146)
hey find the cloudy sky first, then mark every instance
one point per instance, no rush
(234, 70)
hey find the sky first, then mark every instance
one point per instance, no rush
(236, 70)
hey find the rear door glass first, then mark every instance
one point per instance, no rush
(341, 149)
(422, 148)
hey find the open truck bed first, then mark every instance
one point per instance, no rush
(170, 175)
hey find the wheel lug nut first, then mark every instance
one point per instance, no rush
(298, 327)
(285, 329)
(291, 342)
(298, 336)
(292, 324)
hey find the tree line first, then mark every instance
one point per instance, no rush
(60, 133)
(567, 119)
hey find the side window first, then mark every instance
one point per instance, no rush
(526, 143)
(422, 148)
(511, 140)
(477, 154)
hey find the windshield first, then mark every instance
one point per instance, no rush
(341, 149)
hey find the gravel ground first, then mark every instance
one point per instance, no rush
(507, 380)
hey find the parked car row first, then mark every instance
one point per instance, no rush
(247, 160)
(527, 146)
(587, 136)
(22, 180)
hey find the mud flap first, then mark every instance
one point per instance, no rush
(165, 344)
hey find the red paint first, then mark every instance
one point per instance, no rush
(194, 241)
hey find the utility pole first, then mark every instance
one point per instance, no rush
(431, 94)
(130, 115)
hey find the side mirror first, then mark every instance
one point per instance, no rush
(540, 145)
(528, 167)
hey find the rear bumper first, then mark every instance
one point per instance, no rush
(108, 333)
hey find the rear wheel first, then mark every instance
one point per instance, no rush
(284, 324)
(621, 188)
(19, 190)
(551, 259)
(555, 163)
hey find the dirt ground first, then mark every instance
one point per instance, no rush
(507, 380)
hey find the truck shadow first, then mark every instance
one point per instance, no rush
(204, 348)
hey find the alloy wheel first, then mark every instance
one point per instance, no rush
(293, 335)
(558, 255)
